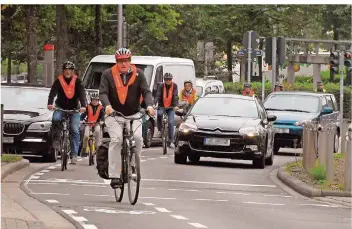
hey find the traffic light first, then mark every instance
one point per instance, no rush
(334, 62)
(347, 62)
(281, 50)
(268, 50)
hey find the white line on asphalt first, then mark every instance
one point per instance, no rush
(213, 183)
(197, 225)
(34, 177)
(211, 200)
(52, 201)
(320, 205)
(57, 165)
(69, 211)
(235, 193)
(49, 193)
(51, 167)
(94, 195)
(158, 198)
(42, 183)
(162, 210)
(185, 190)
(89, 185)
(279, 196)
(151, 159)
(148, 188)
(148, 204)
(45, 171)
(163, 157)
(89, 226)
(179, 217)
(79, 218)
(262, 203)
(39, 174)
(106, 181)
(143, 160)
(79, 159)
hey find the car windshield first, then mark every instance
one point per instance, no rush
(225, 106)
(15, 98)
(292, 102)
(95, 70)
(199, 90)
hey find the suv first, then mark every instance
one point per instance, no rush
(290, 108)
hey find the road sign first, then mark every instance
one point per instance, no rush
(259, 52)
(242, 52)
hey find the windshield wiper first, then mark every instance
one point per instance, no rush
(273, 109)
(295, 110)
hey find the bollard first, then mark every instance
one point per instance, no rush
(329, 152)
(309, 149)
(2, 127)
(348, 158)
(322, 147)
(343, 130)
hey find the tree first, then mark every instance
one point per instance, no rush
(61, 37)
(98, 29)
(32, 46)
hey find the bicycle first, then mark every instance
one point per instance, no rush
(91, 143)
(65, 140)
(127, 152)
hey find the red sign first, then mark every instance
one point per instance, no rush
(48, 47)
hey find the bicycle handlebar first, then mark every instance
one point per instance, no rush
(67, 111)
(117, 113)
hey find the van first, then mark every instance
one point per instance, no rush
(154, 68)
(206, 86)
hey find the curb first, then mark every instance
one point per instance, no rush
(10, 168)
(305, 189)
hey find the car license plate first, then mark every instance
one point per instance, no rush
(8, 140)
(281, 130)
(217, 141)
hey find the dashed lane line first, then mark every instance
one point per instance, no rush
(158, 198)
(81, 220)
(162, 209)
(261, 203)
(44, 171)
(184, 190)
(280, 196)
(320, 205)
(50, 193)
(52, 201)
(211, 200)
(90, 185)
(197, 225)
(235, 193)
(148, 204)
(179, 217)
(39, 174)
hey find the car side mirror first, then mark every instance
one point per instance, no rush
(327, 110)
(271, 118)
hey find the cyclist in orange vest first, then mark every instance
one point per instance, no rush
(95, 114)
(71, 95)
(120, 89)
(166, 97)
(188, 93)
(278, 87)
(248, 90)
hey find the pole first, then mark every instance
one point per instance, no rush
(2, 127)
(341, 67)
(205, 60)
(348, 159)
(273, 64)
(119, 26)
(249, 56)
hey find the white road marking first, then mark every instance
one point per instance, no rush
(320, 205)
(49, 193)
(148, 188)
(57, 165)
(79, 218)
(52, 167)
(185, 190)
(42, 183)
(179, 217)
(273, 204)
(94, 195)
(162, 210)
(211, 200)
(89, 226)
(151, 159)
(45, 171)
(106, 181)
(163, 157)
(212, 183)
(39, 174)
(158, 198)
(52, 201)
(69, 211)
(143, 160)
(111, 211)
(89, 185)
(34, 177)
(148, 204)
(197, 225)
(235, 193)
(279, 196)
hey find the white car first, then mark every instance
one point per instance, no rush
(206, 86)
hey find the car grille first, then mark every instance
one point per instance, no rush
(13, 128)
(236, 142)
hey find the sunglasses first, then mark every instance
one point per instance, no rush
(167, 79)
(123, 61)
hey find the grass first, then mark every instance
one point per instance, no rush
(10, 158)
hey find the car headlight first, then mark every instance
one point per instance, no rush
(186, 127)
(39, 127)
(249, 131)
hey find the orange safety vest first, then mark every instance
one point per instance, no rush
(251, 93)
(141, 99)
(122, 90)
(167, 97)
(69, 89)
(189, 98)
(94, 117)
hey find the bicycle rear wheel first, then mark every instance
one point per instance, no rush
(90, 154)
(134, 179)
(165, 138)
(64, 156)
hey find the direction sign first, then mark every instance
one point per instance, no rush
(242, 52)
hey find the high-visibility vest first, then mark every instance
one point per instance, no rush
(69, 89)
(122, 90)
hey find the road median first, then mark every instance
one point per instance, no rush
(11, 164)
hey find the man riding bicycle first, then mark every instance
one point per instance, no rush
(70, 95)
(94, 114)
(166, 97)
(188, 93)
(120, 89)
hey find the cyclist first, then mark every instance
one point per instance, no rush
(248, 90)
(70, 92)
(120, 90)
(278, 87)
(166, 97)
(320, 87)
(188, 93)
(94, 113)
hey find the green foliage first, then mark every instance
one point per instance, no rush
(318, 173)
(10, 158)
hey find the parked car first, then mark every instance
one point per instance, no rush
(214, 128)
(206, 86)
(27, 122)
(292, 107)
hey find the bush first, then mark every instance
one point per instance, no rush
(318, 173)
(332, 88)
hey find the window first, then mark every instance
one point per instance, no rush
(158, 77)
(261, 111)
(324, 103)
(215, 89)
(292, 102)
(334, 103)
(330, 103)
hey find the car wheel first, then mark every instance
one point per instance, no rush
(51, 156)
(276, 148)
(259, 163)
(270, 160)
(194, 158)
(336, 142)
(147, 140)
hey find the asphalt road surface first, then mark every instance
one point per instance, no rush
(216, 193)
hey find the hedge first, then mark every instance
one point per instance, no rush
(332, 88)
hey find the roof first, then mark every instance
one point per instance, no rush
(234, 96)
(317, 94)
(147, 60)
(202, 82)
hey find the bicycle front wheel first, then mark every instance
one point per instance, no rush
(119, 193)
(64, 153)
(90, 153)
(165, 138)
(134, 176)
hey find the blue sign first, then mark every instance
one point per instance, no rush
(242, 52)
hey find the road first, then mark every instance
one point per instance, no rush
(217, 194)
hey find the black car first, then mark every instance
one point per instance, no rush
(225, 126)
(27, 122)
